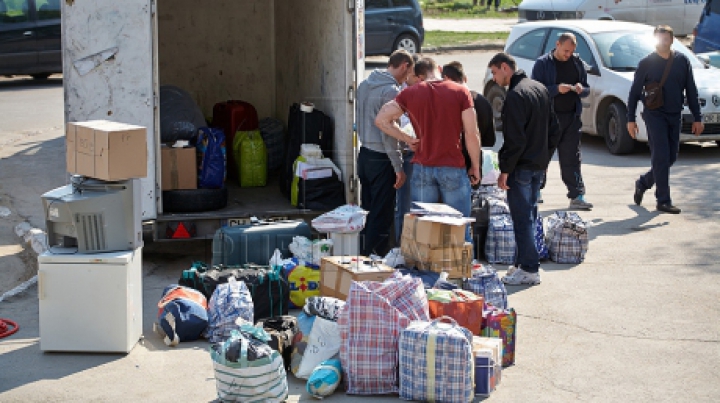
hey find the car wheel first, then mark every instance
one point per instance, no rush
(43, 76)
(194, 200)
(616, 135)
(407, 42)
(496, 97)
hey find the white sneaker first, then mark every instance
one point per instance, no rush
(511, 270)
(521, 277)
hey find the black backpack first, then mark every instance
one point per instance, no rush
(322, 194)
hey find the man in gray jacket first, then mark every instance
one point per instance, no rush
(380, 167)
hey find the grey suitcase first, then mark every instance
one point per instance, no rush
(255, 243)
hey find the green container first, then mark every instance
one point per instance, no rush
(251, 156)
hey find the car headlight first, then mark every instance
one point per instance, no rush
(580, 15)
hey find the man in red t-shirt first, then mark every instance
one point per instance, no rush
(439, 111)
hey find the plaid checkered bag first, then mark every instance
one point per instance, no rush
(436, 362)
(370, 325)
(540, 243)
(567, 237)
(498, 206)
(500, 244)
(487, 283)
(229, 302)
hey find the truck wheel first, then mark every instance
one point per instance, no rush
(407, 42)
(617, 138)
(496, 97)
(194, 201)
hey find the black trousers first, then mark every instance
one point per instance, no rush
(569, 154)
(377, 196)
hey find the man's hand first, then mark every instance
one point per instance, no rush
(578, 88)
(412, 143)
(474, 175)
(564, 88)
(633, 129)
(502, 182)
(399, 179)
(698, 128)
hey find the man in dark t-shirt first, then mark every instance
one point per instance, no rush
(563, 74)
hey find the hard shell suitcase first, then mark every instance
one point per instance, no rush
(255, 243)
(233, 116)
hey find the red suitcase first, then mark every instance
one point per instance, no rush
(233, 116)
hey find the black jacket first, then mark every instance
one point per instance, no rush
(545, 72)
(530, 129)
(486, 125)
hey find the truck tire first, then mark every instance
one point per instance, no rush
(407, 42)
(496, 96)
(194, 201)
(615, 132)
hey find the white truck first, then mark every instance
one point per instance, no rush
(271, 53)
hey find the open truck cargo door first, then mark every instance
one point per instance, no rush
(108, 70)
(359, 68)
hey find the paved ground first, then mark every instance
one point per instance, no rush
(638, 321)
(470, 25)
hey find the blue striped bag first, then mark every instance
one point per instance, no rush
(540, 243)
(567, 237)
(436, 362)
(229, 302)
(500, 244)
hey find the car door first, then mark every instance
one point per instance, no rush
(400, 17)
(526, 49)
(378, 34)
(591, 66)
(18, 44)
(48, 35)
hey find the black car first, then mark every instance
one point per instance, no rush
(391, 25)
(30, 38)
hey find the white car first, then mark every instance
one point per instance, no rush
(611, 51)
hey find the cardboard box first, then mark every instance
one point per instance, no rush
(454, 259)
(179, 168)
(338, 272)
(431, 230)
(106, 150)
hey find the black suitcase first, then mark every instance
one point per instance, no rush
(282, 331)
(269, 290)
(481, 213)
(255, 243)
(305, 128)
(322, 194)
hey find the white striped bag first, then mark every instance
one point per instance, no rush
(500, 244)
(239, 379)
(567, 237)
(436, 362)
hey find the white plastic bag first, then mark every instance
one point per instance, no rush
(347, 218)
(309, 251)
(395, 258)
(490, 168)
(323, 343)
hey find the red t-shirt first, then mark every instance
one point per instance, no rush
(435, 110)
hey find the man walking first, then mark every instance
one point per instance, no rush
(673, 71)
(563, 74)
(439, 111)
(530, 133)
(379, 162)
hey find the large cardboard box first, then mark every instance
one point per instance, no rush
(433, 230)
(338, 272)
(179, 168)
(454, 259)
(106, 150)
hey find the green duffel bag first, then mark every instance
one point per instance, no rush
(251, 154)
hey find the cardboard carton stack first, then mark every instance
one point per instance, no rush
(434, 239)
(338, 272)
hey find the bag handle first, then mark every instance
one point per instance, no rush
(668, 66)
(436, 321)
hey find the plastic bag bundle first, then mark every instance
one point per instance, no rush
(180, 116)
(324, 379)
(306, 250)
(211, 158)
(344, 219)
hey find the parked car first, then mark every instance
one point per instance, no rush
(611, 51)
(710, 58)
(391, 25)
(707, 31)
(681, 15)
(30, 38)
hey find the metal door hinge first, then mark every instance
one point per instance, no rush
(351, 94)
(351, 5)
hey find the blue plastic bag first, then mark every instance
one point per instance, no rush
(325, 378)
(210, 147)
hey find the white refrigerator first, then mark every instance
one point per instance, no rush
(90, 302)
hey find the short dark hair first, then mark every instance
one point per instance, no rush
(454, 71)
(567, 36)
(501, 58)
(425, 66)
(664, 29)
(398, 57)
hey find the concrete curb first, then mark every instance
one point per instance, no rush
(498, 46)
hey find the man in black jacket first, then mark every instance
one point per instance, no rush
(663, 124)
(563, 73)
(530, 132)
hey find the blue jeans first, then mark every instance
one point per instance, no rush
(522, 199)
(403, 197)
(663, 131)
(446, 184)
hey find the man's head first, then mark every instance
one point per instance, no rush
(454, 71)
(502, 66)
(664, 36)
(399, 64)
(426, 69)
(412, 78)
(565, 46)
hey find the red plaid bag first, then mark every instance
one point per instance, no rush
(370, 325)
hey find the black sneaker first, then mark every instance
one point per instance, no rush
(638, 196)
(668, 208)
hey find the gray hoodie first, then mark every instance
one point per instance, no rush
(377, 90)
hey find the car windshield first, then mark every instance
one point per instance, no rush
(622, 51)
